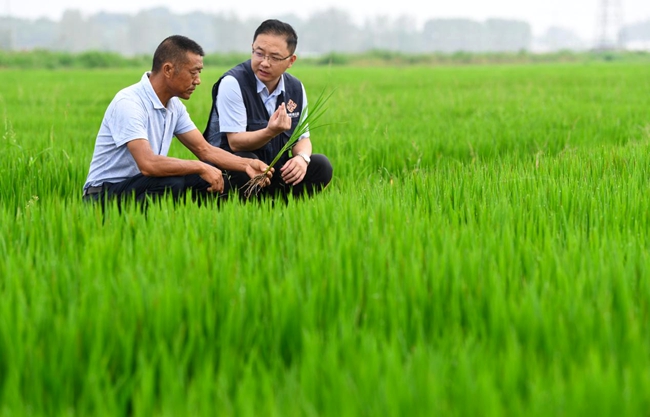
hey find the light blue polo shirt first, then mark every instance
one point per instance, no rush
(231, 108)
(135, 113)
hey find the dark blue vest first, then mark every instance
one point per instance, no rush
(257, 117)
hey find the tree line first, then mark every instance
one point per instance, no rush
(322, 33)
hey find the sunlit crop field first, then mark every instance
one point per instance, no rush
(482, 250)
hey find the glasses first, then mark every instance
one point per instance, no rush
(272, 59)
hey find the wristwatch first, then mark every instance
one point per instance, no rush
(305, 157)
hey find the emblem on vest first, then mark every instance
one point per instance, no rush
(291, 106)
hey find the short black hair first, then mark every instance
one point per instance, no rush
(276, 27)
(174, 49)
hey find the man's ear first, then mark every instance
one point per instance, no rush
(168, 69)
(292, 60)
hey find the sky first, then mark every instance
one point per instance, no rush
(582, 16)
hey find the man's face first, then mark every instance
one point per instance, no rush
(270, 59)
(187, 76)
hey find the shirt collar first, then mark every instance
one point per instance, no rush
(148, 89)
(261, 87)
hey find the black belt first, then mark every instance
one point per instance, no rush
(93, 190)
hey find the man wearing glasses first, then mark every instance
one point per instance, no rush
(257, 105)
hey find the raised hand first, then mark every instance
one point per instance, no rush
(280, 120)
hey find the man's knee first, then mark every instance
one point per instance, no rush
(160, 186)
(322, 169)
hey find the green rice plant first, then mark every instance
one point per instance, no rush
(310, 114)
(482, 250)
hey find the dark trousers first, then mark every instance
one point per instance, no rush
(141, 189)
(318, 176)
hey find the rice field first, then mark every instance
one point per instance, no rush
(482, 250)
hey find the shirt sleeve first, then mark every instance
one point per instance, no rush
(230, 105)
(184, 123)
(127, 121)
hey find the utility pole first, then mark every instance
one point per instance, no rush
(610, 23)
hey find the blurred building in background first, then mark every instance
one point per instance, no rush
(322, 33)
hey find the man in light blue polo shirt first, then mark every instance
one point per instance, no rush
(130, 157)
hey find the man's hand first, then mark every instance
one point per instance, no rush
(257, 167)
(279, 121)
(294, 170)
(213, 176)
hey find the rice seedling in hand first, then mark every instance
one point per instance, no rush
(311, 113)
